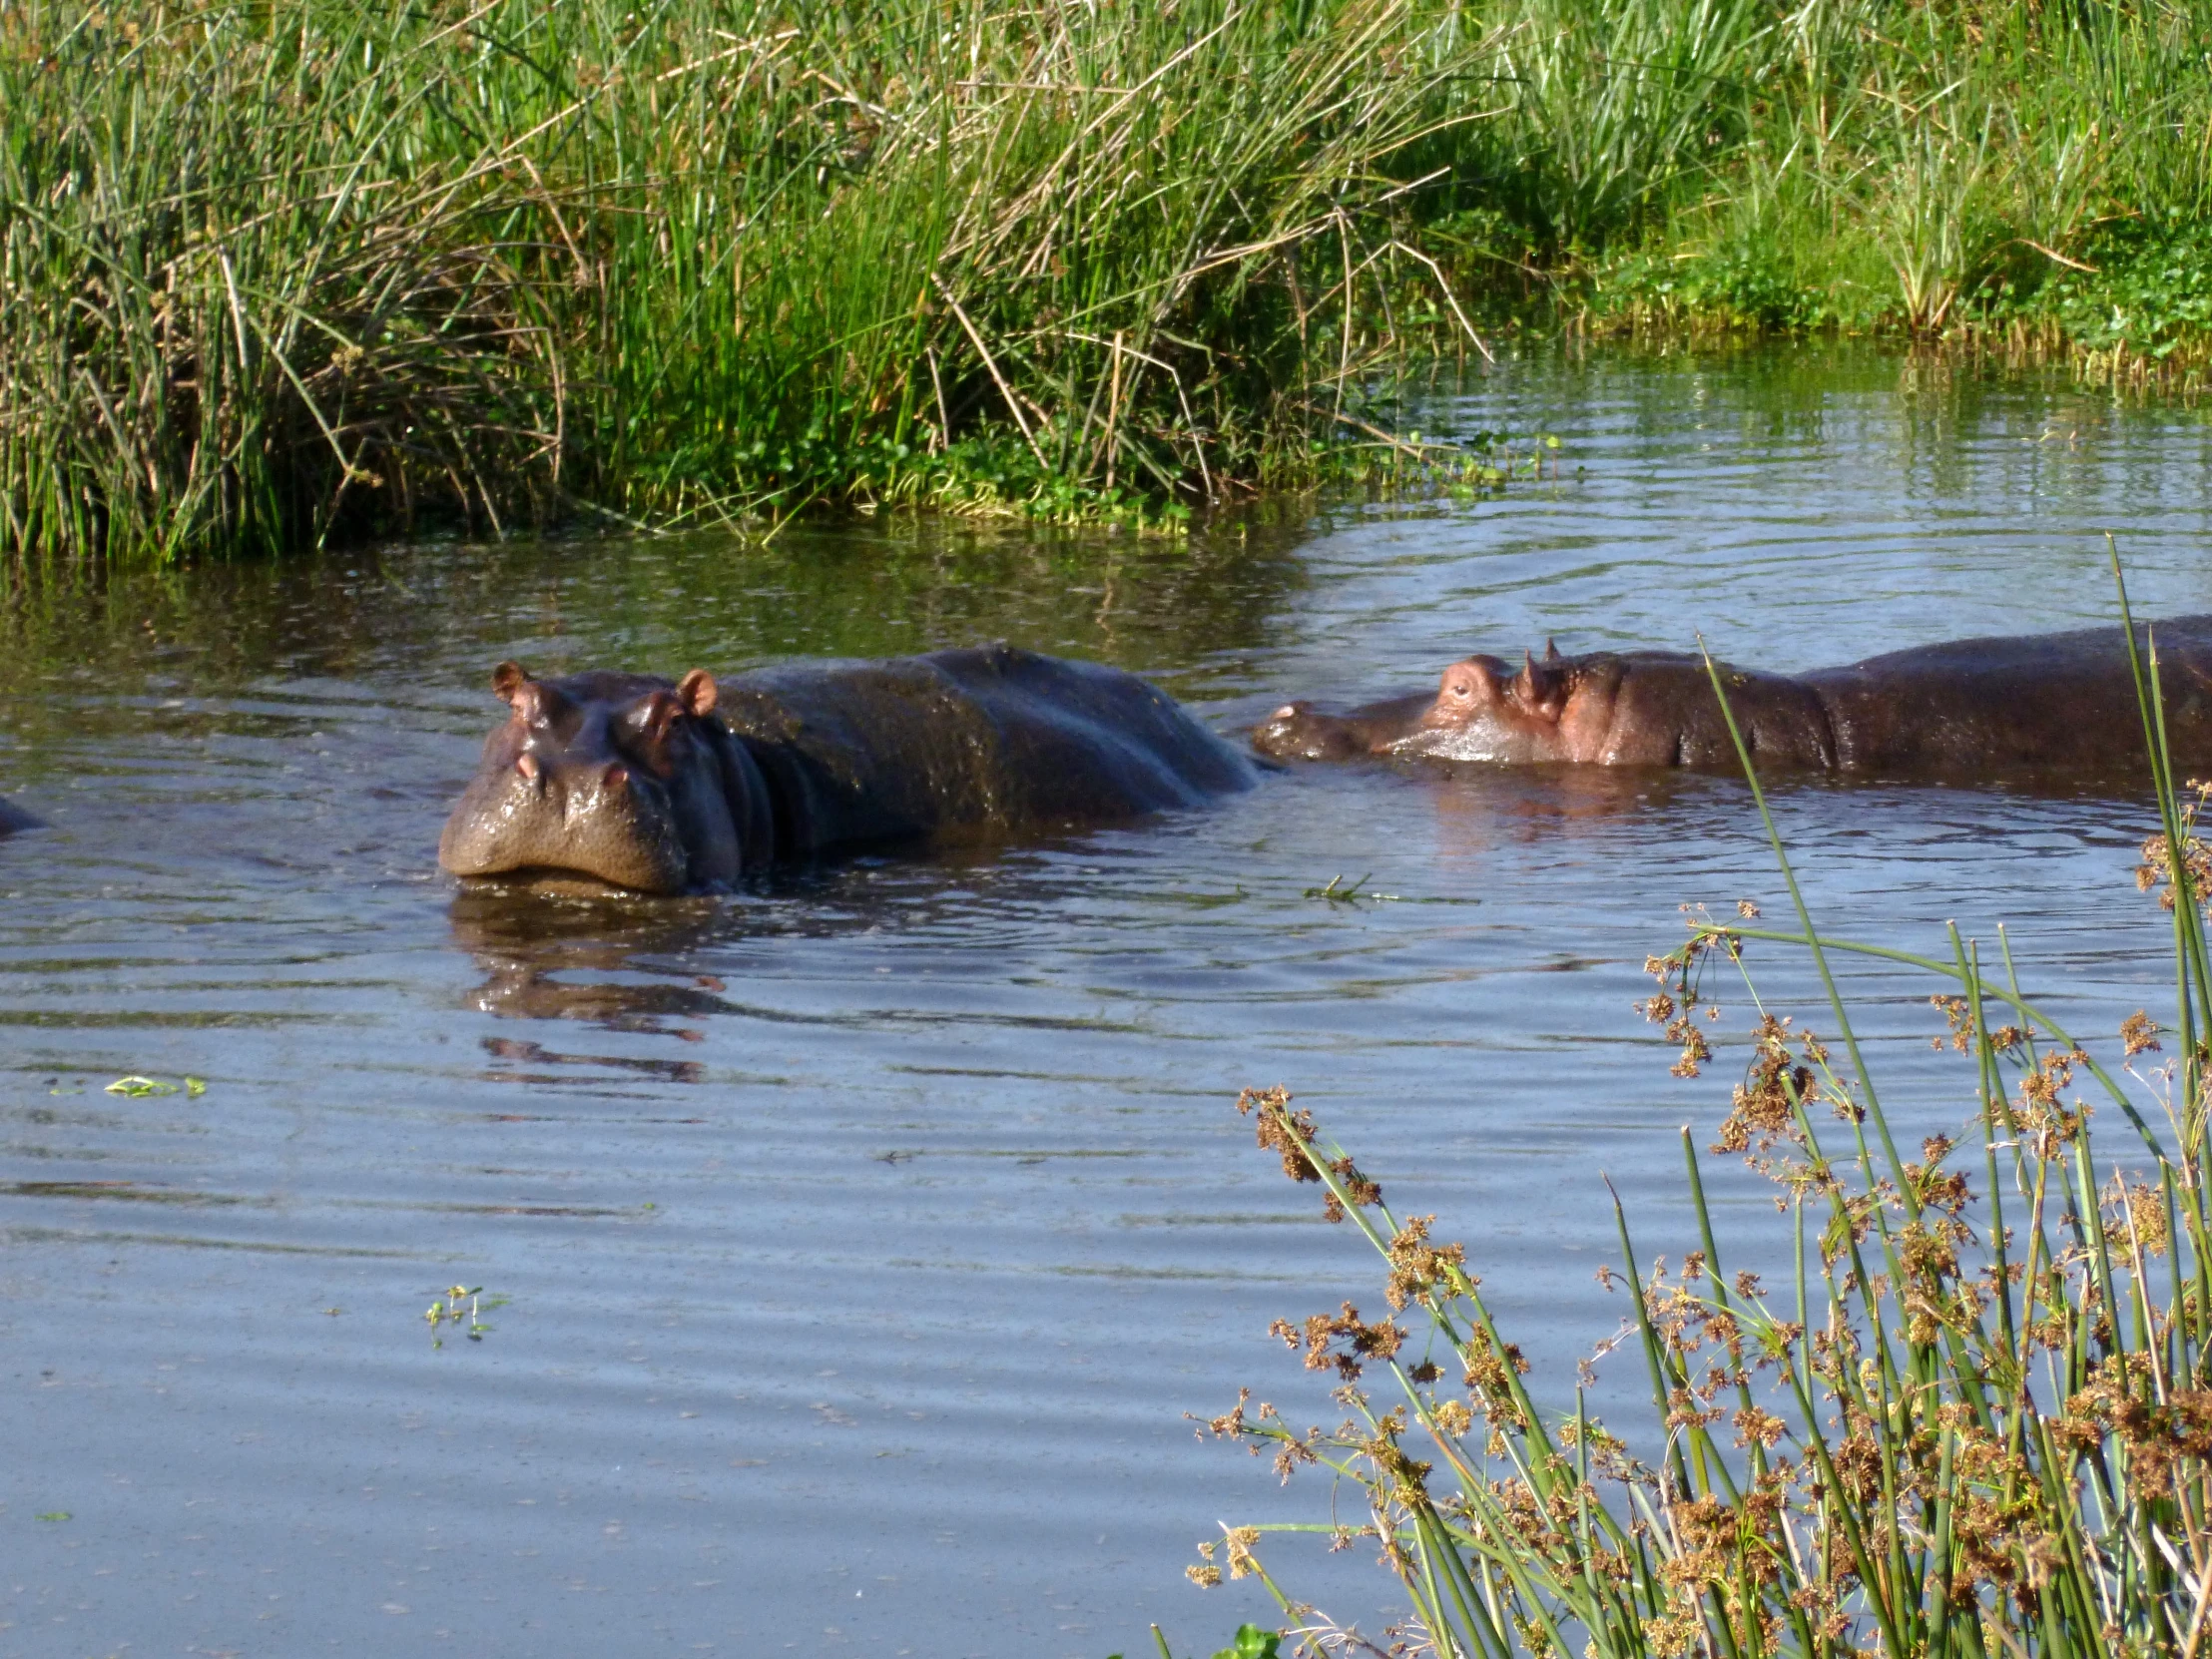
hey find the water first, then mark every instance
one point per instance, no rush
(864, 1242)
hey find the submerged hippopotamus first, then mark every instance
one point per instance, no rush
(681, 785)
(2051, 703)
(14, 817)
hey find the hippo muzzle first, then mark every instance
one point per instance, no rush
(603, 822)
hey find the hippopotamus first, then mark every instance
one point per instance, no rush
(668, 787)
(13, 818)
(1968, 709)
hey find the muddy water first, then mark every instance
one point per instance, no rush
(863, 1241)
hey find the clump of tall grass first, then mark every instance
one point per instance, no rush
(1857, 164)
(236, 299)
(1974, 1418)
(275, 271)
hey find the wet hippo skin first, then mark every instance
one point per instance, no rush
(687, 786)
(14, 817)
(2048, 704)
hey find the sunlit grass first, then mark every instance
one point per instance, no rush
(278, 270)
(270, 273)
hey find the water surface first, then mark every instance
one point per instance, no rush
(866, 1239)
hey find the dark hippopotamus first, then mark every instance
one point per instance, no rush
(13, 818)
(2036, 703)
(672, 786)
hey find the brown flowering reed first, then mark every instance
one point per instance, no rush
(1976, 1420)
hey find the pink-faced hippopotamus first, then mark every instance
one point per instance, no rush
(683, 785)
(2038, 703)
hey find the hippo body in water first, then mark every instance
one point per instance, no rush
(14, 817)
(2040, 704)
(673, 787)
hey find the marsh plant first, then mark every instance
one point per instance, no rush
(277, 271)
(1963, 1407)
(273, 272)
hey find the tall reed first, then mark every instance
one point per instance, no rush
(278, 270)
(1939, 165)
(274, 270)
(1962, 1423)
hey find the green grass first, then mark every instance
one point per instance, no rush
(1962, 1407)
(1865, 165)
(274, 271)
(279, 270)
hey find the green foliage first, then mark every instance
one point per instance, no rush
(447, 1309)
(1610, 102)
(1252, 1643)
(1742, 286)
(2149, 285)
(278, 273)
(281, 271)
(139, 1087)
(1928, 168)
(1962, 1423)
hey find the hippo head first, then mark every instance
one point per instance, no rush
(1485, 711)
(597, 774)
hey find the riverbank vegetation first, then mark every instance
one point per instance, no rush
(1962, 1407)
(274, 271)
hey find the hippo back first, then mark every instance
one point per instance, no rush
(1988, 707)
(968, 742)
(1659, 710)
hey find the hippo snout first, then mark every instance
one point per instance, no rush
(1295, 731)
(599, 819)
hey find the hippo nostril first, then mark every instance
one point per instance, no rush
(617, 774)
(527, 765)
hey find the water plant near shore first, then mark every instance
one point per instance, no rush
(271, 273)
(2014, 174)
(1965, 1424)
(276, 273)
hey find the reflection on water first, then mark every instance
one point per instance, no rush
(598, 961)
(868, 1232)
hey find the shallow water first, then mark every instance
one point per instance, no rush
(865, 1240)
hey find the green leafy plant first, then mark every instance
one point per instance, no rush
(1252, 1643)
(449, 1309)
(138, 1087)
(1249, 1642)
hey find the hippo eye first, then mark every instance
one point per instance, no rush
(1460, 689)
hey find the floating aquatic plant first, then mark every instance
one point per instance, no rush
(448, 1310)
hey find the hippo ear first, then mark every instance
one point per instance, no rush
(696, 691)
(1542, 691)
(508, 679)
(1551, 651)
(1524, 689)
